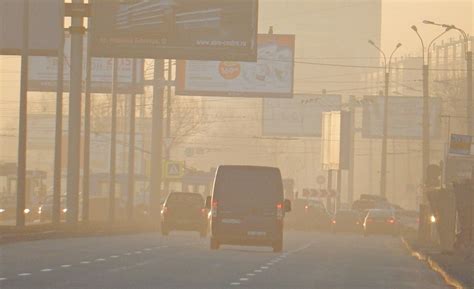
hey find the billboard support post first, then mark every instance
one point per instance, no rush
(131, 148)
(22, 129)
(350, 191)
(156, 139)
(75, 101)
(168, 123)
(113, 143)
(58, 135)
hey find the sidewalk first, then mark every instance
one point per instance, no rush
(456, 268)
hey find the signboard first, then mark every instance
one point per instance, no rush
(405, 117)
(173, 169)
(335, 140)
(270, 76)
(297, 117)
(461, 145)
(179, 29)
(44, 36)
(43, 73)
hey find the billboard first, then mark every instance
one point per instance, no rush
(270, 76)
(335, 140)
(179, 29)
(461, 145)
(299, 116)
(44, 36)
(405, 117)
(43, 73)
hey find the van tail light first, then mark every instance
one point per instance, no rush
(214, 209)
(333, 221)
(391, 221)
(279, 211)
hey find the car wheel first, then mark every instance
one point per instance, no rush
(214, 244)
(278, 246)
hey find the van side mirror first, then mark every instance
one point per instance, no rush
(208, 202)
(287, 205)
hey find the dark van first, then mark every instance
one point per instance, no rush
(247, 207)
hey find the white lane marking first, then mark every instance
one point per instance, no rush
(65, 266)
(138, 252)
(100, 260)
(114, 256)
(24, 274)
(128, 254)
(234, 284)
(3, 279)
(250, 274)
(258, 271)
(46, 270)
(270, 263)
(85, 262)
(264, 267)
(244, 279)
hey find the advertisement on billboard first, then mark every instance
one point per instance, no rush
(270, 76)
(405, 115)
(299, 116)
(178, 29)
(335, 140)
(44, 36)
(43, 73)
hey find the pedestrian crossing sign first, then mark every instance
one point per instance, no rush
(173, 169)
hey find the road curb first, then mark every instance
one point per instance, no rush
(448, 278)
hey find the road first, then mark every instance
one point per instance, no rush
(183, 261)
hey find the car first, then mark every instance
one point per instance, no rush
(45, 210)
(379, 221)
(247, 207)
(346, 221)
(308, 215)
(184, 211)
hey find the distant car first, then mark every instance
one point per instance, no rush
(45, 210)
(380, 221)
(308, 215)
(184, 212)
(247, 207)
(346, 221)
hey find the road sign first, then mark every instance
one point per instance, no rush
(460, 145)
(173, 169)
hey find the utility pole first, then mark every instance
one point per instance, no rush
(113, 143)
(75, 101)
(55, 216)
(387, 68)
(168, 121)
(87, 134)
(22, 127)
(156, 140)
(131, 148)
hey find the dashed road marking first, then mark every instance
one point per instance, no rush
(138, 252)
(46, 270)
(100, 260)
(24, 274)
(65, 266)
(85, 262)
(244, 279)
(258, 271)
(147, 249)
(128, 254)
(250, 274)
(3, 279)
(234, 284)
(114, 256)
(264, 267)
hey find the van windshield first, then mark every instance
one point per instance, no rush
(241, 188)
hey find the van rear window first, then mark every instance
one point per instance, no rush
(238, 187)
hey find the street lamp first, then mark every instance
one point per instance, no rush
(426, 96)
(387, 68)
(469, 79)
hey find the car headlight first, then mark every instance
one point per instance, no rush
(40, 210)
(2, 211)
(433, 219)
(64, 210)
(26, 211)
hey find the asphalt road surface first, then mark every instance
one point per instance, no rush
(184, 261)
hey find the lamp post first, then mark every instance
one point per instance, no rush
(426, 97)
(387, 68)
(469, 79)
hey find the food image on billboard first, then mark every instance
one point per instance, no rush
(43, 73)
(270, 76)
(178, 29)
(299, 116)
(44, 26)
(405, 115)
